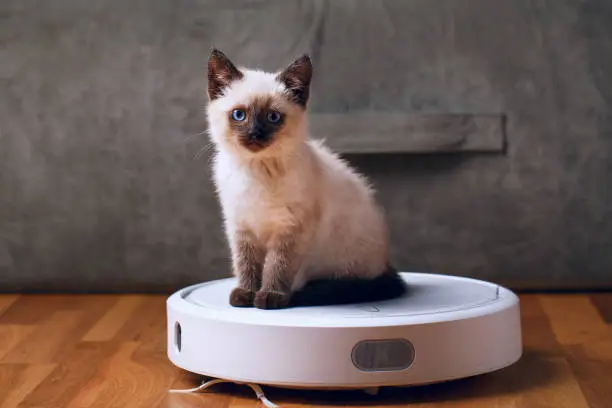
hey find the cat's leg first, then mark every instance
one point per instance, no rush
(247, 260)
(281, 265)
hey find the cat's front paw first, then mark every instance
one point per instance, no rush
(271, 300)
(241, 298)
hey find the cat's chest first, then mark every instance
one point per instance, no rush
(258, 205)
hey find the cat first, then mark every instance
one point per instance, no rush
(303, 227)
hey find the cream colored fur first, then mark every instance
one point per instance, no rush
(295, 186)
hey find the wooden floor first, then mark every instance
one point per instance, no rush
(109, 351)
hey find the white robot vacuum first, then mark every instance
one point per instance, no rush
(443, 328)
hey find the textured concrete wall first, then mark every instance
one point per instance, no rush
(101, 104)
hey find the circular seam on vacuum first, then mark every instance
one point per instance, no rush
(449, 294)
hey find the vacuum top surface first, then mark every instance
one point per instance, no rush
(429, 298)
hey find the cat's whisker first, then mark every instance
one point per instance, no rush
(200, 153)
(203, 150)
(189, 137)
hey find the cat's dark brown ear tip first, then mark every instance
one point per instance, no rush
(215, 53)
(296, 78)
(300, 69)
(303, 60)
(221, 72)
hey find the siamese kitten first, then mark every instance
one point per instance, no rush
(303, 227)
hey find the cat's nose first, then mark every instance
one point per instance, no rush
(257, 136)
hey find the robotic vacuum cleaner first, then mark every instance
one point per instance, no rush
(443, 328)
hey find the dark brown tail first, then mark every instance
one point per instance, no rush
(329, 292)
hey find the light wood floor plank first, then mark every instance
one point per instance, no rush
(27, 379)
(109, 325)
(12, 335)
(574, 319)
(44, 342)
(72, 374)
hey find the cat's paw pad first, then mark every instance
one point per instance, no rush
(241, 298)
(271, 300)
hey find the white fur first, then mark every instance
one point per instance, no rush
(349, 237)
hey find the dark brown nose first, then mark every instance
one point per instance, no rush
(257, 136)
(258, 132)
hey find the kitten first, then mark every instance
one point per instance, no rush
(303, 227)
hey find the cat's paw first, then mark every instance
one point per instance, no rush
(271, 300)
(241, 298)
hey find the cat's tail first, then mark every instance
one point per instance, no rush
(340, 291)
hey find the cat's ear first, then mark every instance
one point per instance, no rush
(221, 73)
(296, 78)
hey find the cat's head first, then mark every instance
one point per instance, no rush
(259, 113)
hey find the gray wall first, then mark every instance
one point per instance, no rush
(486, 127)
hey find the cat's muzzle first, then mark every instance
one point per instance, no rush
(255, 141)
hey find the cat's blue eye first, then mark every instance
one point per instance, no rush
(238, 115)
(274, 117)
